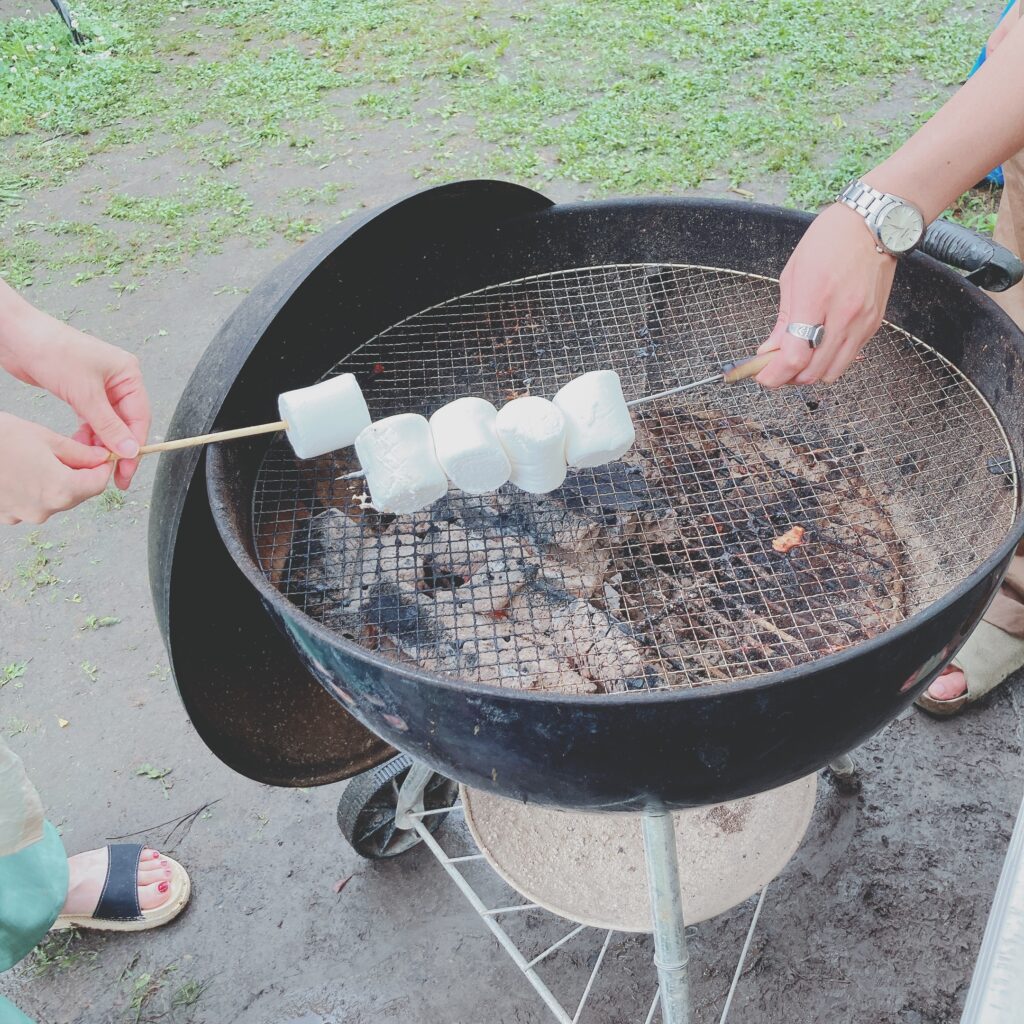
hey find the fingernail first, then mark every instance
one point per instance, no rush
(163, 886)
(128, 449)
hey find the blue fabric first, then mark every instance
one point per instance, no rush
(33, 887)
(119, 900)
(995, 176)
(10, 1014)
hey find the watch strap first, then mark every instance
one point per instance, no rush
(867, 201)
(860, 197)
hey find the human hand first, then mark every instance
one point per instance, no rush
(42, 472)
(102, 383)
(1002, 30)
(835, 277)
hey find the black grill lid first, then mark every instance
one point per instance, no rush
(246, 691)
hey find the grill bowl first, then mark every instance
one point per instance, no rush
(676, 748)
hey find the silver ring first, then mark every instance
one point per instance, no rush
(813, 334)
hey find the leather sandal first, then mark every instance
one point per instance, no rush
(118, 907)
(987, 659)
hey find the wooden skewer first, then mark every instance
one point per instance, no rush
(731, 373)
(193, 442)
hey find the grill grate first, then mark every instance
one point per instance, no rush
(657, 571)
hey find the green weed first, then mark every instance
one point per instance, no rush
(99, 621)
(9, 673)
(59, 951)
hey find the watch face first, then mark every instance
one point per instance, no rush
(901, 228)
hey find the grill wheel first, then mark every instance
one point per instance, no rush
(366, 810)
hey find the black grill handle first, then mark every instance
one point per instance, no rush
(989, 265)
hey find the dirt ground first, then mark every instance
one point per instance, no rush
(877, 919)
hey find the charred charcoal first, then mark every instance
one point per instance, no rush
(407, 621)
(476, 513)
(606, 491)
(546, 522)
(334, 560)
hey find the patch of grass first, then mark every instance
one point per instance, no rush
(327, 193)
(301, 228)
(59, 951)
(977, 210)
(112, 500)
(90, 670)
(619, 96)
(36, 572)
(99, 621)
(150, 997)
(256, 95)
(158, 775)
(12, 193)
(54, 86)
(9, 673)
(189, 993)
(18, 261)
(388, 106)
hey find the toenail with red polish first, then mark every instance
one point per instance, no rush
(163, 886)
(156, 853)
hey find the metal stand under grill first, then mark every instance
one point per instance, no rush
(672, 998)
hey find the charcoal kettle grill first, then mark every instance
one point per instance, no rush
(739, 668)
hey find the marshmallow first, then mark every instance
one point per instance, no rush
(598, 427)
(324, 417)
(402, 471)
(467, 445)
(532, 432)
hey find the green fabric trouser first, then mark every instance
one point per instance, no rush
(33, 887)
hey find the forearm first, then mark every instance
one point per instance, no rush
(979, 128)
(19, 330)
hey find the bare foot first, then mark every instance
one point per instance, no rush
(951, 683)
(88, 871)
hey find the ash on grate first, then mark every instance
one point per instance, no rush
(658, 570)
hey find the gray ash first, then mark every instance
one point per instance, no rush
(654, 571)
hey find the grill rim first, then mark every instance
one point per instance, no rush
(754, 748)
(246, 557)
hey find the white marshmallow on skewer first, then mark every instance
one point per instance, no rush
(467, 445)
(532, 432)
(324, 417)
(598, 426)
(402, 471)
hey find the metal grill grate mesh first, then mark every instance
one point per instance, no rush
(658, 571)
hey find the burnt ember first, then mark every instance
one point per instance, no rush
(658, 570)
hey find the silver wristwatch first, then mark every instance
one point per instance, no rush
(898, 226)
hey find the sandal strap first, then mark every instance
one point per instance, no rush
(119, 900)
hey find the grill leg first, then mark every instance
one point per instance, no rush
(410, 796)
(844, 766)
(670, 956)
